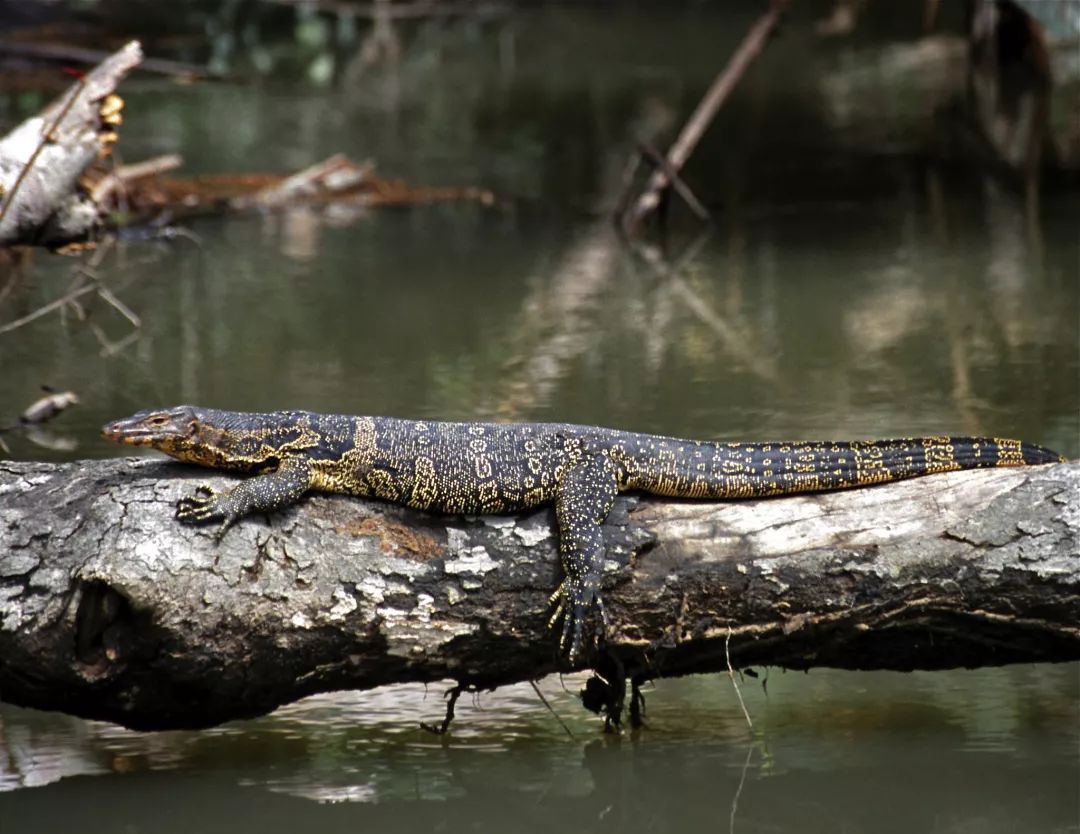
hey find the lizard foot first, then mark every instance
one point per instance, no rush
(207, 504)
(573, 602)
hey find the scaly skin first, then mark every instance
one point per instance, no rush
(507, 467)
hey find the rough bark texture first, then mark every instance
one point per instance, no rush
(43, 159)
(111, 609)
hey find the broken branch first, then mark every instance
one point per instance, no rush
(706, 111)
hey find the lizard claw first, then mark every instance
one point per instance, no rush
(204, 505)
(207, 504)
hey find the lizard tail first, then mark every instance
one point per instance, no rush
(751, 470)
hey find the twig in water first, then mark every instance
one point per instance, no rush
(120, 306)
(735, 683)
(452, 695)
(551, 709)
(706, 111)
(46, 137)
(660, 161)
(48, 308)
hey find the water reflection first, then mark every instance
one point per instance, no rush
(934, 747)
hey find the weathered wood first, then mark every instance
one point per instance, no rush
(111, 609)
(42, 160)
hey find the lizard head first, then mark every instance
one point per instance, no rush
(195, 435)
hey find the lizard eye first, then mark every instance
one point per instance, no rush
(159, 420)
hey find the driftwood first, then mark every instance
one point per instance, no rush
(43, 160)
(52, 192)
(338, 182)
(111, 609)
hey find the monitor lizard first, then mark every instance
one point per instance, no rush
(506, 467)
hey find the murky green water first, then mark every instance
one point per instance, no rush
(991, 750)
(852, 285)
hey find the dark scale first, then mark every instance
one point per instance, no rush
(506, 467)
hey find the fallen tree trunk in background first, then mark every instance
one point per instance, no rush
(52, 193)
(110, 609)
(43, 159)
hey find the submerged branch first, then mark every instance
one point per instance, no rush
(111, 609)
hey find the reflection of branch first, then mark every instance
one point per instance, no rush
(732, 341)
(83, 272)
(658, 329)
(14, 260)
(109, 348)
(565, 306)
(730, 338)
(738, 791)
(556, 322)
(660, 162)
(106, 294)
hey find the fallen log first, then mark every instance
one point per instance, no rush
(110, 609)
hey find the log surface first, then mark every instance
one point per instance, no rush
(111, 609)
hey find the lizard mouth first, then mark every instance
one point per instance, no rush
(118, 432)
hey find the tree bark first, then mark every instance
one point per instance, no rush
(111, 609)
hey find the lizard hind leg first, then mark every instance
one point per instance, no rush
(586, 493)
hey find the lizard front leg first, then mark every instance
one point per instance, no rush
(263, 493)
(586, 493)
